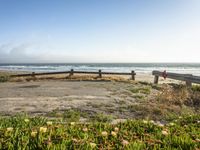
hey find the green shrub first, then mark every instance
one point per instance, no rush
(4, 78)
(143, 90)
(196, 88)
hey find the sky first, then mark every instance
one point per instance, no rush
(100, 31)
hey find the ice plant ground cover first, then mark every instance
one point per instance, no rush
(21, 132)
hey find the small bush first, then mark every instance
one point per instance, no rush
(196, 88)
(4, 78)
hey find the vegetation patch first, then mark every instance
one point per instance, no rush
(138, 96)
(70, 115)
(196, 88)
(143, 90)
(180, 95)
(4, 77)
(77, 77)
(23, 132)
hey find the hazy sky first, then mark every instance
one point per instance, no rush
(33, 31)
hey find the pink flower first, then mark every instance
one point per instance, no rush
(165, 132)
(125, 142)
(85, 129)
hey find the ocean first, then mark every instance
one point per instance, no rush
(147, 68)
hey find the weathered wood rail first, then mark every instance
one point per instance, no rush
(188, 78)
(72, 72)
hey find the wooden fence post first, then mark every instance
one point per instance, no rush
(100, 75)
(133, 75)
(156, 78)
(188, 83)
(33, 74)
(72, 72)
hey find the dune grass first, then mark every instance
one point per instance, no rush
(77, 77)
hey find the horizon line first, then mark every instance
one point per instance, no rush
(104, 63)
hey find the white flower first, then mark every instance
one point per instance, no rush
(9, 129)
(43, 129)
(116, 129)
(197, 140)
(49, 123)
(26, 120)
(160, 124)
(33, 133)
(171, 124)
(93, 145)
(75, 140)
(180, 117)
(165, 132)
(145, 121)
(151, 121)
(113, 133)
(104, 133)
(85, 129)
(198, 121)
(72, 123)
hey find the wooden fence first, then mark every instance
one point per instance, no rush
(188, 78)
(72, 72)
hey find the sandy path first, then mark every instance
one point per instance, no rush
(44, 96)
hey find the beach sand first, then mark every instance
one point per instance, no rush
(40, 97)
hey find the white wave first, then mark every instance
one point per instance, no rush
(62, 67)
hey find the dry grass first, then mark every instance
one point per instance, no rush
(179, 95)
(169, 100)
(174, 95)
(77, 77)
(153, 111)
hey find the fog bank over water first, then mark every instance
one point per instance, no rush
(36, 53)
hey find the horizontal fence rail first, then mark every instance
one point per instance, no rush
(37, 74)
(193, 79)
(188, 78)
(72, 72)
